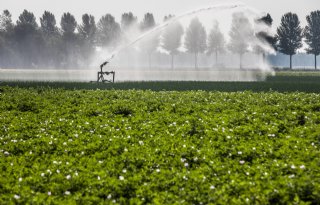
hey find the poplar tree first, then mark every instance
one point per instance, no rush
(216, 42)
(289, 34)
(196, 39)
(241, 34)
(172, 37)
(312, 35)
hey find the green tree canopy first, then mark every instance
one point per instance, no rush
(6, 41)
(312, 34)
(265, 36)
(52, 40)
(68, 24)
(87, 30)
(6, 24)
(128, 20)
(87, 33)
(108, 31)
(48, 23)
(148, 22)
(28, 40)
(289, 34)
(70, 45)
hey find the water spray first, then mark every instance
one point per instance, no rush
(220, 7)
(171, 21)
(160, 27)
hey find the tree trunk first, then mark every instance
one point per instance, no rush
(149, 55)
(172, 60)
(196, 60)
(290, 62)
(315, 61)
(216, 57)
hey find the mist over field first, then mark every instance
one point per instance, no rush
(217, 39)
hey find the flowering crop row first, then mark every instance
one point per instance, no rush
(139, 147)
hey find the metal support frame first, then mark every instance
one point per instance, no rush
(102, 74)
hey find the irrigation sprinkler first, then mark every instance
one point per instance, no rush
(102, 74)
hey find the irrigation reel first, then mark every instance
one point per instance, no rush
(102, 75)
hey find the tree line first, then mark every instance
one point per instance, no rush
(29, 45)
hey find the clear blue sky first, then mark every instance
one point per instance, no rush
(158, 7)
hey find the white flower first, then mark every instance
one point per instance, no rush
(20, 179)
(68, 177)
(241, 161)
(58, 171)
(42, 174)
(124, 170)
(49, 193)
(67, 192)
(228, 137)
(109, 196)
(141, 142)
(16, 196)
(293, 167)
(6, 153)
(64, 143)
(121, 178)
(186, 164)
(125, 149)
(158, 170)
(302, 167)
(239, 153)
(98, 177)
(212, 187)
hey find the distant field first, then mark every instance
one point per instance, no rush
(281, 82)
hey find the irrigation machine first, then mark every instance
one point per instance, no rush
(103, 75)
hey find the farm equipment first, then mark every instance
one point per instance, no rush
(102, 75)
